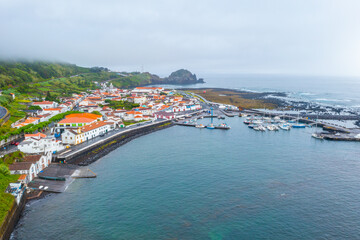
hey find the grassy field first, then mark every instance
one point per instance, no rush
(6, 198)
(236, 98)
(5, 178)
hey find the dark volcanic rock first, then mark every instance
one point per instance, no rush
(182, 76)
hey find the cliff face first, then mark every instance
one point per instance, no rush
(180, 77)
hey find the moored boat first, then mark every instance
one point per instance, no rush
(317, 136)
(224, 126)
(286, 127)
(298, 125)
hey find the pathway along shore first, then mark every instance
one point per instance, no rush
(87, 154)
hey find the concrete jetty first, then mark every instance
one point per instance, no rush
(57, 177)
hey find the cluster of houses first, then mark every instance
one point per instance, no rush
(152, 103)
(95, 119)
(48, 109)
(30, 166)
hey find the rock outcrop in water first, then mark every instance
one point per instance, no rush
(183, 76)
(180, 77)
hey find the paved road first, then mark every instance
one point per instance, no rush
(71, 150)
(3, 112)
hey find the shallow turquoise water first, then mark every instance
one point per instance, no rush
(188, 183)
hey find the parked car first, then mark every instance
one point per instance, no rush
(16, 143)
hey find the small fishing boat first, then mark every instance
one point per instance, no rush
(298, 125)
(260, 128)
(221, 117)
(224, 126)
(200, 125)
(317, 136)
(247, 121)
(259, 122)
(270, 127)
(256, 128)
(210, 126)
(286, 127)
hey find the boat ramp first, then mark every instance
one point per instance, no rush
(58, 176)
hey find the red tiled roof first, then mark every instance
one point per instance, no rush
(35, 135)
(93, 126)
(42, 103)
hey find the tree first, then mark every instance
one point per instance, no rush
(96, 112)
(34, 108)
(4, 170)
(48, 96)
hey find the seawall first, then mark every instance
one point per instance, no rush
(12, 218)
(90, 154)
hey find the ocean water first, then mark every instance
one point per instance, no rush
(340, 91)
(188, 183)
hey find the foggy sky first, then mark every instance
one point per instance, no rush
(309, 37)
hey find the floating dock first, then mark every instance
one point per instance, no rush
(194, 125)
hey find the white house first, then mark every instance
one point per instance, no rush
(45, 104)
(133, 116)
(26, 168)
(120, 112)
(40, 144)
(164, 115)
(40, 161)
(30, 167)
(140, 100)
(147, 90)
(82, 134)
(54, 111)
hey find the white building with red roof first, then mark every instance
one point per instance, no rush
(39, 143)
(45, 104)
(76, 136)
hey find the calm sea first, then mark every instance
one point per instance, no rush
(188, 183)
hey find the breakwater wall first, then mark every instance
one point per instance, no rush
(97, 150)
(12, 218)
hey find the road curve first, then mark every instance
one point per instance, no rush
(3, 112)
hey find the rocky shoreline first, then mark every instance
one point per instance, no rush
(280, 102)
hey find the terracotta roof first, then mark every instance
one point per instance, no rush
(32, 158)
(76, 120)
(153, 88)
(42, 103)
(93, 126)
(52, 109)
(35, 135)
(22, 177)
(134, 113)
(87, 115)
(20, 166)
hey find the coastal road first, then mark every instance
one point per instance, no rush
(81, 146)
(3, 112)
